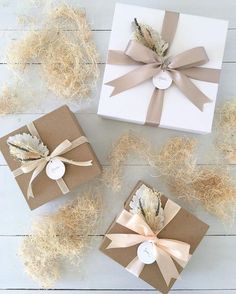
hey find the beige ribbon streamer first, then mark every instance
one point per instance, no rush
(181, 68)
(167, 250)
(37, 166)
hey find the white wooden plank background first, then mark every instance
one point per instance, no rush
(212, 269)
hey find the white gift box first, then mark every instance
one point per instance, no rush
(178, 111)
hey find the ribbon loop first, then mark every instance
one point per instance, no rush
(193, 57)
(140, 53)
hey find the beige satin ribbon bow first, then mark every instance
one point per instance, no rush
(181, 68)
(166, 250)
(37, 166)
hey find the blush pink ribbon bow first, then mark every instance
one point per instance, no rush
(167, 250)
(181, 68)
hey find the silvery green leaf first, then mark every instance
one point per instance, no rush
(147, 203)
(25, 147)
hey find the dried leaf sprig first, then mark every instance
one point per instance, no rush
(25, 147)
(147, 203)
(150, 38)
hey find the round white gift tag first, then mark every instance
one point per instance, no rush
(55, 169)
(162, 81)
(146, 252)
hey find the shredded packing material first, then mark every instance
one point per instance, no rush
(10, 102)
(213, 187)
(65, 50)
(176, 162)
(225, 131)
(129, 143)
(64, 234)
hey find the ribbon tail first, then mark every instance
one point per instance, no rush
(63, 186)
(36, 172)
(133, 78)
(210, 75)
(135, 267)
(155, 107)
(166, 265)
(187, 87)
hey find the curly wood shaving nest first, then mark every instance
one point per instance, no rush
(176, 156)
(216, 191)
(127, 144)
(225, 135)
(10, 101)
(214, 188)
(62, 235)
(67, 54)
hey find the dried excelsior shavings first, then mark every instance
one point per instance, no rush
(127, 144)
(61, 235)
(177, 155)
(10, 102)
(214, 188)
(176, 162)
(225, 130)
(65, 50)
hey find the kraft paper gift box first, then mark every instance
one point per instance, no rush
(181, 226)
(53, 129)
(187, 105)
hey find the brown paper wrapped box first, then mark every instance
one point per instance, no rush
(184, 227)
(54, 128)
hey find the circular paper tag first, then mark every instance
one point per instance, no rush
(146, 252)
(162, 81)
(55, 169)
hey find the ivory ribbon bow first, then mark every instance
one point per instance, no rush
(181, 68)
(37, 166)
(166, 249)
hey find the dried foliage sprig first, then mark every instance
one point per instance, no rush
(150, 38)
(64, 234)
(25, 147)
(147, 203)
